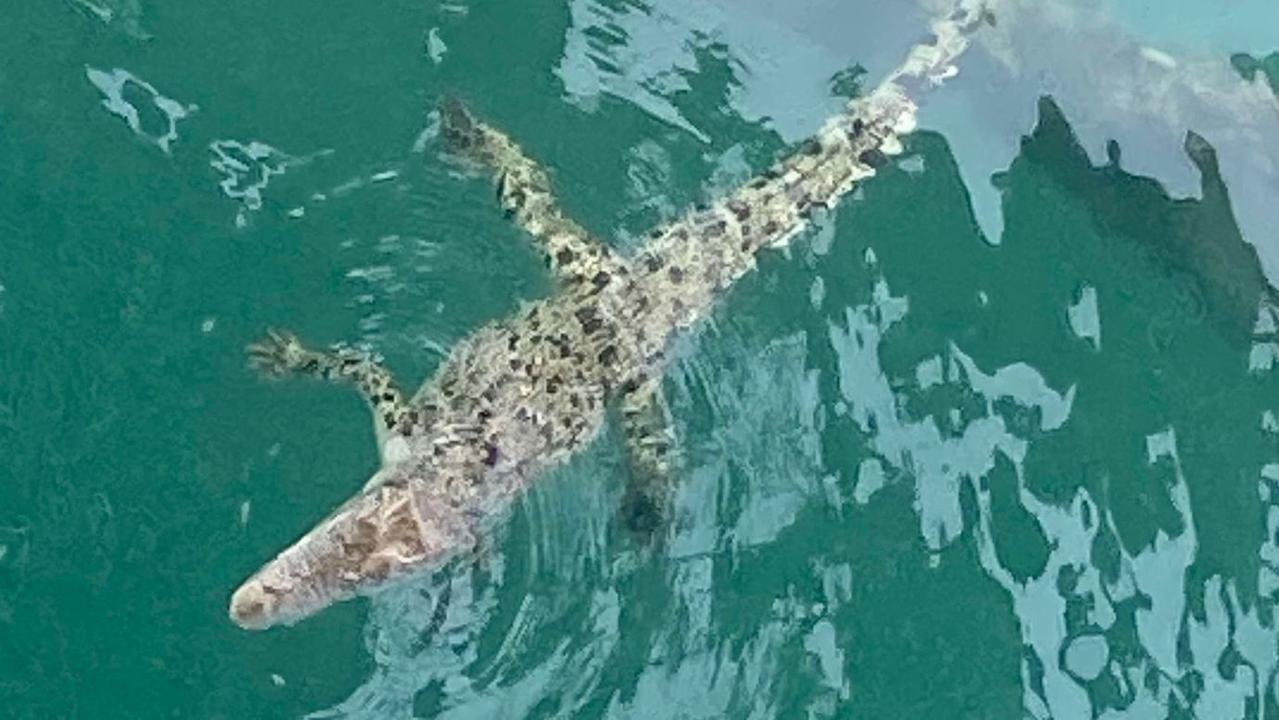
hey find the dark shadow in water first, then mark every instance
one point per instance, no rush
(1197, 239)
(1248, 66)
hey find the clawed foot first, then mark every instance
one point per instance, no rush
(457, 126)
(279, 354)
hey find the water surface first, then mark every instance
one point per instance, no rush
(998, 438)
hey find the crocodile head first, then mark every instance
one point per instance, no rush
(391, 529)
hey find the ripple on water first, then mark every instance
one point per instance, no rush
(247, 168)
(433, 639)
(123, 14)
(1068, 652)
(560, 560)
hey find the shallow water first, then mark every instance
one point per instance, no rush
(997, 438)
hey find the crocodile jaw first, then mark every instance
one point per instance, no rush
(376, 537)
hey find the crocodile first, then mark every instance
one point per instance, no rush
(521, 395)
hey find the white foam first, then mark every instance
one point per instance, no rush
(1158, 57)
(870, 479)
(912, 165)
(429, 132)
(435, 47)
(822, 236)
(125, 14)
(1261, 358)
(112, 85)
(105, 14)
(1087, 655)
(1022, 384)
(822, 644)
(1085, 319)
(817, 292)
(247, 169)
(1266, 323)
(1161, 444)
(929, 372)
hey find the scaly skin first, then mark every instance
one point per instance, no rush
(521, 395)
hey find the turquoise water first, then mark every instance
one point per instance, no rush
(974, 447)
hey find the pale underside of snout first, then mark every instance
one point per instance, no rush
(376, 537)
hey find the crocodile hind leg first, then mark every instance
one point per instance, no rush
(646, 430)
(524, 192)
(281, 353)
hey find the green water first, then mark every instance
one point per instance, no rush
(147, 471)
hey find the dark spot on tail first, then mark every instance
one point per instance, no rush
(873, 157)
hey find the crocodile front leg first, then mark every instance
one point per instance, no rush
(524, 192)
(281, 353)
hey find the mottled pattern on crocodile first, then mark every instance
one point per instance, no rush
(532, 388)
(520, 395)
